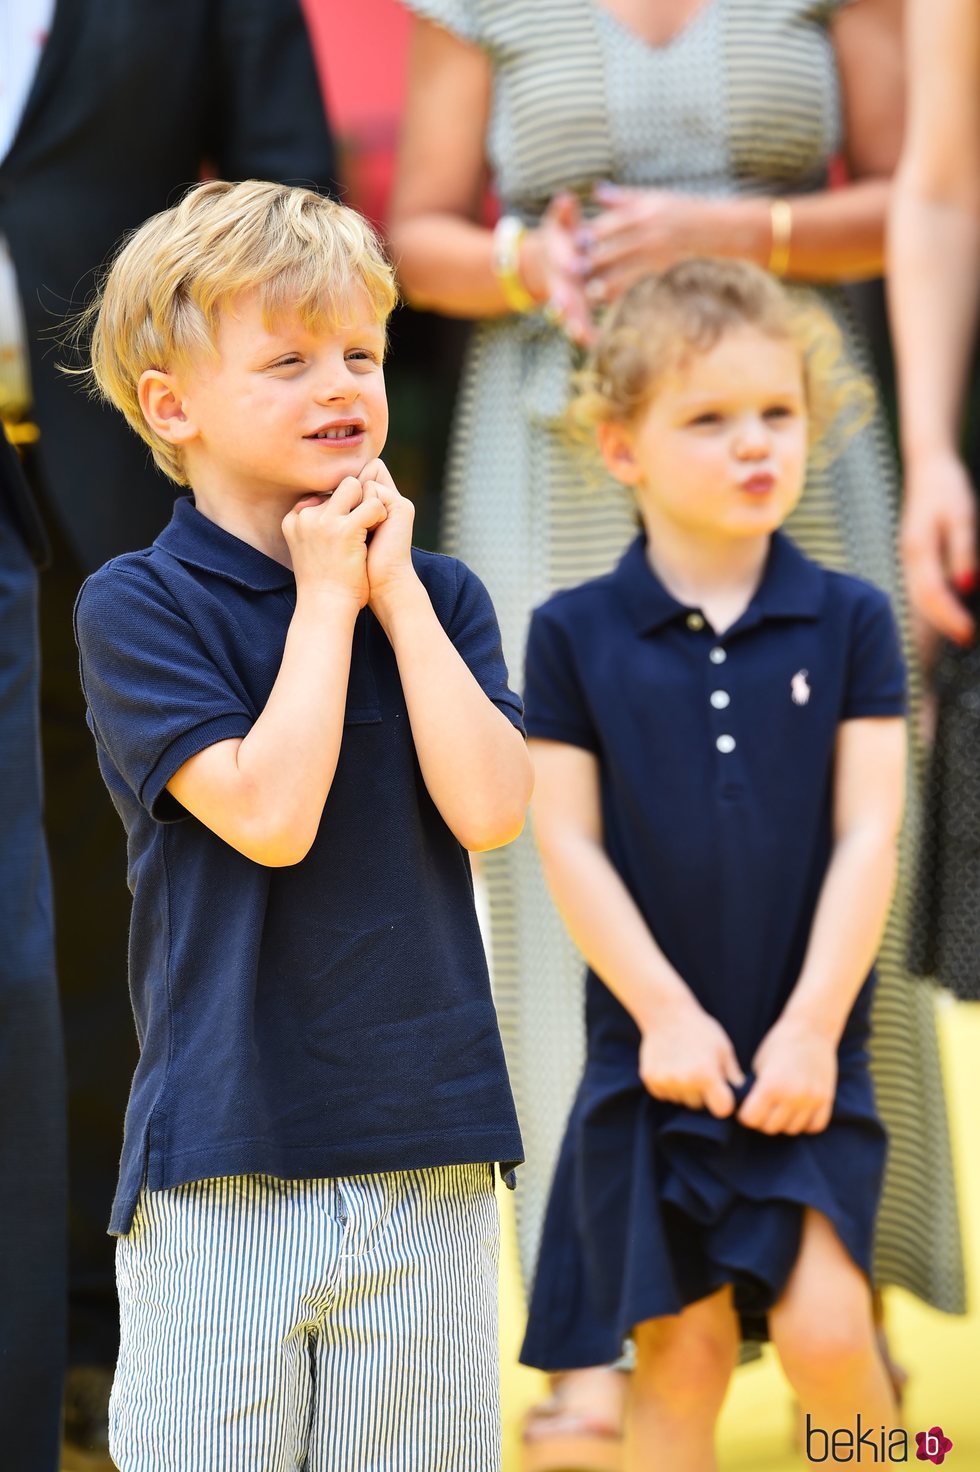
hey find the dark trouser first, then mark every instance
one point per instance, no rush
(91, 902)
(32, 1167)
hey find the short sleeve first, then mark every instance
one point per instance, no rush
(461, 17)
(475, 633)
(554, 703)
(876, 669)
(155, 698)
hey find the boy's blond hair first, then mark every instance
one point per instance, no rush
(160, 300)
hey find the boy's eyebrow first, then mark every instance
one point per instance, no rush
(277, 340)
(277, 331)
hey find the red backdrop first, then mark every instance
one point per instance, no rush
(361, 49)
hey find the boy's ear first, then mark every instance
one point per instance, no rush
(617, 450)
(163, 408)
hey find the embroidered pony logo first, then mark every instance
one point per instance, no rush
(799, 687)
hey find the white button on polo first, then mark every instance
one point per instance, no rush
(695, 621)
(718, 656)
(720, 699)
(725, 744)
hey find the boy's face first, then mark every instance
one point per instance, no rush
(284, 411)
(721, 448)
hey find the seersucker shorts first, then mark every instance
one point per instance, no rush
(338, 1325)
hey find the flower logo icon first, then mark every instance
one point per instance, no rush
(932, 1445)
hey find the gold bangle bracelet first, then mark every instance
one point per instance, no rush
(508, 234)
(781, 222)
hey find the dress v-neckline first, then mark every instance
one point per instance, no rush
(655, 48)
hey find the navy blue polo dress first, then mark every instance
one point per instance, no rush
(716, 762)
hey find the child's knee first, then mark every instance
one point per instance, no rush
(827, 1347)
(686, 1363)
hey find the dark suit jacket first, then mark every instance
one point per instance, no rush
(32, 1107)
(18, 511)
(129, 101)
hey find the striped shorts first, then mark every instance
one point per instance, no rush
(338, 1325)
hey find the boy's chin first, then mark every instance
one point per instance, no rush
(327, 484)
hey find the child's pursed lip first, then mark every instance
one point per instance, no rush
(758, 484)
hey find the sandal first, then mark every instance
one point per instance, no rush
(559, 1439)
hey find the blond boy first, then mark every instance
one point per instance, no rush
(304, 725)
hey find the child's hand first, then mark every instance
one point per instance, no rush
(795, 1081)
(389, 553)
(688, 1058)
(327, 538)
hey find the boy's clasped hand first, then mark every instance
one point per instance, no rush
(357, 541)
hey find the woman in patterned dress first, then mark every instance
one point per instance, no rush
(702, 112)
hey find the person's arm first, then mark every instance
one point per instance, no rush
(836, 234)
(264, 793)
(473, 760)
(443, 253)
(934, 296)
(796, 1063)
(685, 1054)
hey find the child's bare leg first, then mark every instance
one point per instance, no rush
(683, 1366)
(823, 1329)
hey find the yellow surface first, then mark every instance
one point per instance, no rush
(942, 1354)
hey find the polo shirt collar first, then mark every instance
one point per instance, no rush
(198, 542)
(792, 587)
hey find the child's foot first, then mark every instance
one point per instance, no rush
(580, 1427)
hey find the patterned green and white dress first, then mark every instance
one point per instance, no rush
(745, 99)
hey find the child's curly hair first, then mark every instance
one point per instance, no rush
(688, 309)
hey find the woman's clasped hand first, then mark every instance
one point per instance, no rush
(581, 258)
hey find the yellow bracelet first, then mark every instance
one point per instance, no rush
(781, 221)
(508, 234)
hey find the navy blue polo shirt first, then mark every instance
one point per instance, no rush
(329, 1018)
(716, 756)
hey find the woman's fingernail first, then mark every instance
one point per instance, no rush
(966, 582)
(585, 240)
